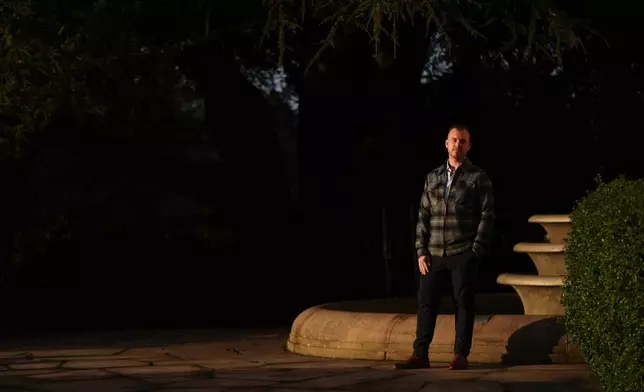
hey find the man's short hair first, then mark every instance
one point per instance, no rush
(460, 127)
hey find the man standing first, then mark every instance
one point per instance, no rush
(453, 233)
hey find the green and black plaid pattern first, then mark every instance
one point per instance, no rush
(462, 222)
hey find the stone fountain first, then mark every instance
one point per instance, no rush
(541, 293)
(510, 328)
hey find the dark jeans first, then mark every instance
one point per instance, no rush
(462, 270)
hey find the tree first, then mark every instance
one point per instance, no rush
(111, 69)
(495, 25)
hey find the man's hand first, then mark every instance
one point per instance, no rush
(423, 264)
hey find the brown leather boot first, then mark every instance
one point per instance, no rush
(413, 362)
(459, 362)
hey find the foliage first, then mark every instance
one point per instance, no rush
(31, 78)
(83, 63)
(524, 26)
(101, 64)
(604, 289)
(111, 65)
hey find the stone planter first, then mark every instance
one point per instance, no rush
(541, 294)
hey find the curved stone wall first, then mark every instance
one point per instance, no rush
(342, 330)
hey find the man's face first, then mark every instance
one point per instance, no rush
(457, 144)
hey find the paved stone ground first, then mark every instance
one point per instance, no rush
(222, 360)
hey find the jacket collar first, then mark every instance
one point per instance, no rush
(466, 165)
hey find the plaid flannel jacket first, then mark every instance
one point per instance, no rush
(462, 222)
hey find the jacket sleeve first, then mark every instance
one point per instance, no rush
(483, 239)
(422, 226)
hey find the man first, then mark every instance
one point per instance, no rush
(453, 233)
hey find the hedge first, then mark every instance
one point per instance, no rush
(603, 293)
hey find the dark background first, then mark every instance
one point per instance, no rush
(246, 211)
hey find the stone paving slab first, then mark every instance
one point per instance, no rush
(35, 365)
(469, 386)
(102, 364)
(226, 364)
(256, 361)
(74, 353)
(27, 373)
(90, 374)
(11, 354)
(110, 385)
(401, 382)
(362, 377)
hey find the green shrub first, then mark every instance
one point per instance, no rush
(604, 289)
